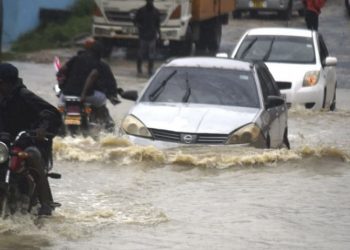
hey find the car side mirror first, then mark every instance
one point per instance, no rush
(222, 55)
(274, 101)
(131, 95)
(330, 61)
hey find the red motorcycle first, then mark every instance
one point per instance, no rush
(17, 185)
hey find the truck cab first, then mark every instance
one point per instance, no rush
(183, 22)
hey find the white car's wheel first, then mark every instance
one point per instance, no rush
(333, 105)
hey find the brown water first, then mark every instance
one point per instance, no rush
(116, 195)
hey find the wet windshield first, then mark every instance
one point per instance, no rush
(203, 86)
(277, 49)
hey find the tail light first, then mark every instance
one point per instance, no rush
(97, 11)
(176, 13)
(88, 110)
(61, 109)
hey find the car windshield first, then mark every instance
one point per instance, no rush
(285, 49)
(203, 86)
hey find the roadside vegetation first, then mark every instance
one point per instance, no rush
(58, 34)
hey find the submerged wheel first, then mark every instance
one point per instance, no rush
(324, 98)
(333, 105)
(268, 141)
(285, 139)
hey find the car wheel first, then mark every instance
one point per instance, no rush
(253, 13)
(268, 141)
(347, 4)
(334, 101)
(285, 139)
(324, 98)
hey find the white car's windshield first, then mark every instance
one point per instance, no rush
(204, 86)
(285, 49)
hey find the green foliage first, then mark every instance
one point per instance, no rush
(55, 35)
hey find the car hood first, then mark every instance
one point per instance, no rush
(289, 72)
(194, 118)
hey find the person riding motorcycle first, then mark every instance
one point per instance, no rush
(22, 110)
(87, 76)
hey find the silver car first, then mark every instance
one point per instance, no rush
(283, 7)
(211, 101)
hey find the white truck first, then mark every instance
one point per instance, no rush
(183, 22)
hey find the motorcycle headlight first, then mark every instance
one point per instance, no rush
(132, 126)
(4, 152)
(311, 78)
(247, 134)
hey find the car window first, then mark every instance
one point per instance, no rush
(203, 86)
(285, 49)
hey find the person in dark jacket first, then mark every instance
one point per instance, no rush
(80, 74)
(22, 110)
(147, 21)
(87, 76)
(312, 12)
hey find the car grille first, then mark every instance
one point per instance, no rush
(284, 85)
(125, 16)
(188, 138)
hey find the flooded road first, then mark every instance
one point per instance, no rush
(121, 196)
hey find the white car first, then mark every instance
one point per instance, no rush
(211, 101)
(299, 61)
(283, 7)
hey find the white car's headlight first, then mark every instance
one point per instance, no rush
(311, 78)
(4, 152)
(132, 126)
(247, 134)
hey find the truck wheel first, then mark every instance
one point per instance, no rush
(237, 14)
(183, 48)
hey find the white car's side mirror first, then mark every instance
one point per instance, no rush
(330, 61)
(222, 55)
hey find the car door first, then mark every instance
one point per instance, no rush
(277, 114)
(327, 72)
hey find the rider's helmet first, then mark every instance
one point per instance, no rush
(8, 73)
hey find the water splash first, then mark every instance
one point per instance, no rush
(115, 149)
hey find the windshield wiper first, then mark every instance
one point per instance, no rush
(155, 94)
(245, 51)
(267, 55)
(188, 90)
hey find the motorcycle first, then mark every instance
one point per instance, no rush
(83, 118)
(18, 190)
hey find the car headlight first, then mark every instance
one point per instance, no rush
(247, 134)
(4, 152)
(132, 126)
(311, 78)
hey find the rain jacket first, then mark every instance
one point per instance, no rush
(22, 110)
(314, 5)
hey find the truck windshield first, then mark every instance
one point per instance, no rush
(203, 86)
(285, 49)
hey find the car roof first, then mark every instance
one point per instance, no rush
(210, 62)
(280, 32)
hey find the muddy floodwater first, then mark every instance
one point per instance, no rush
(116, 195)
